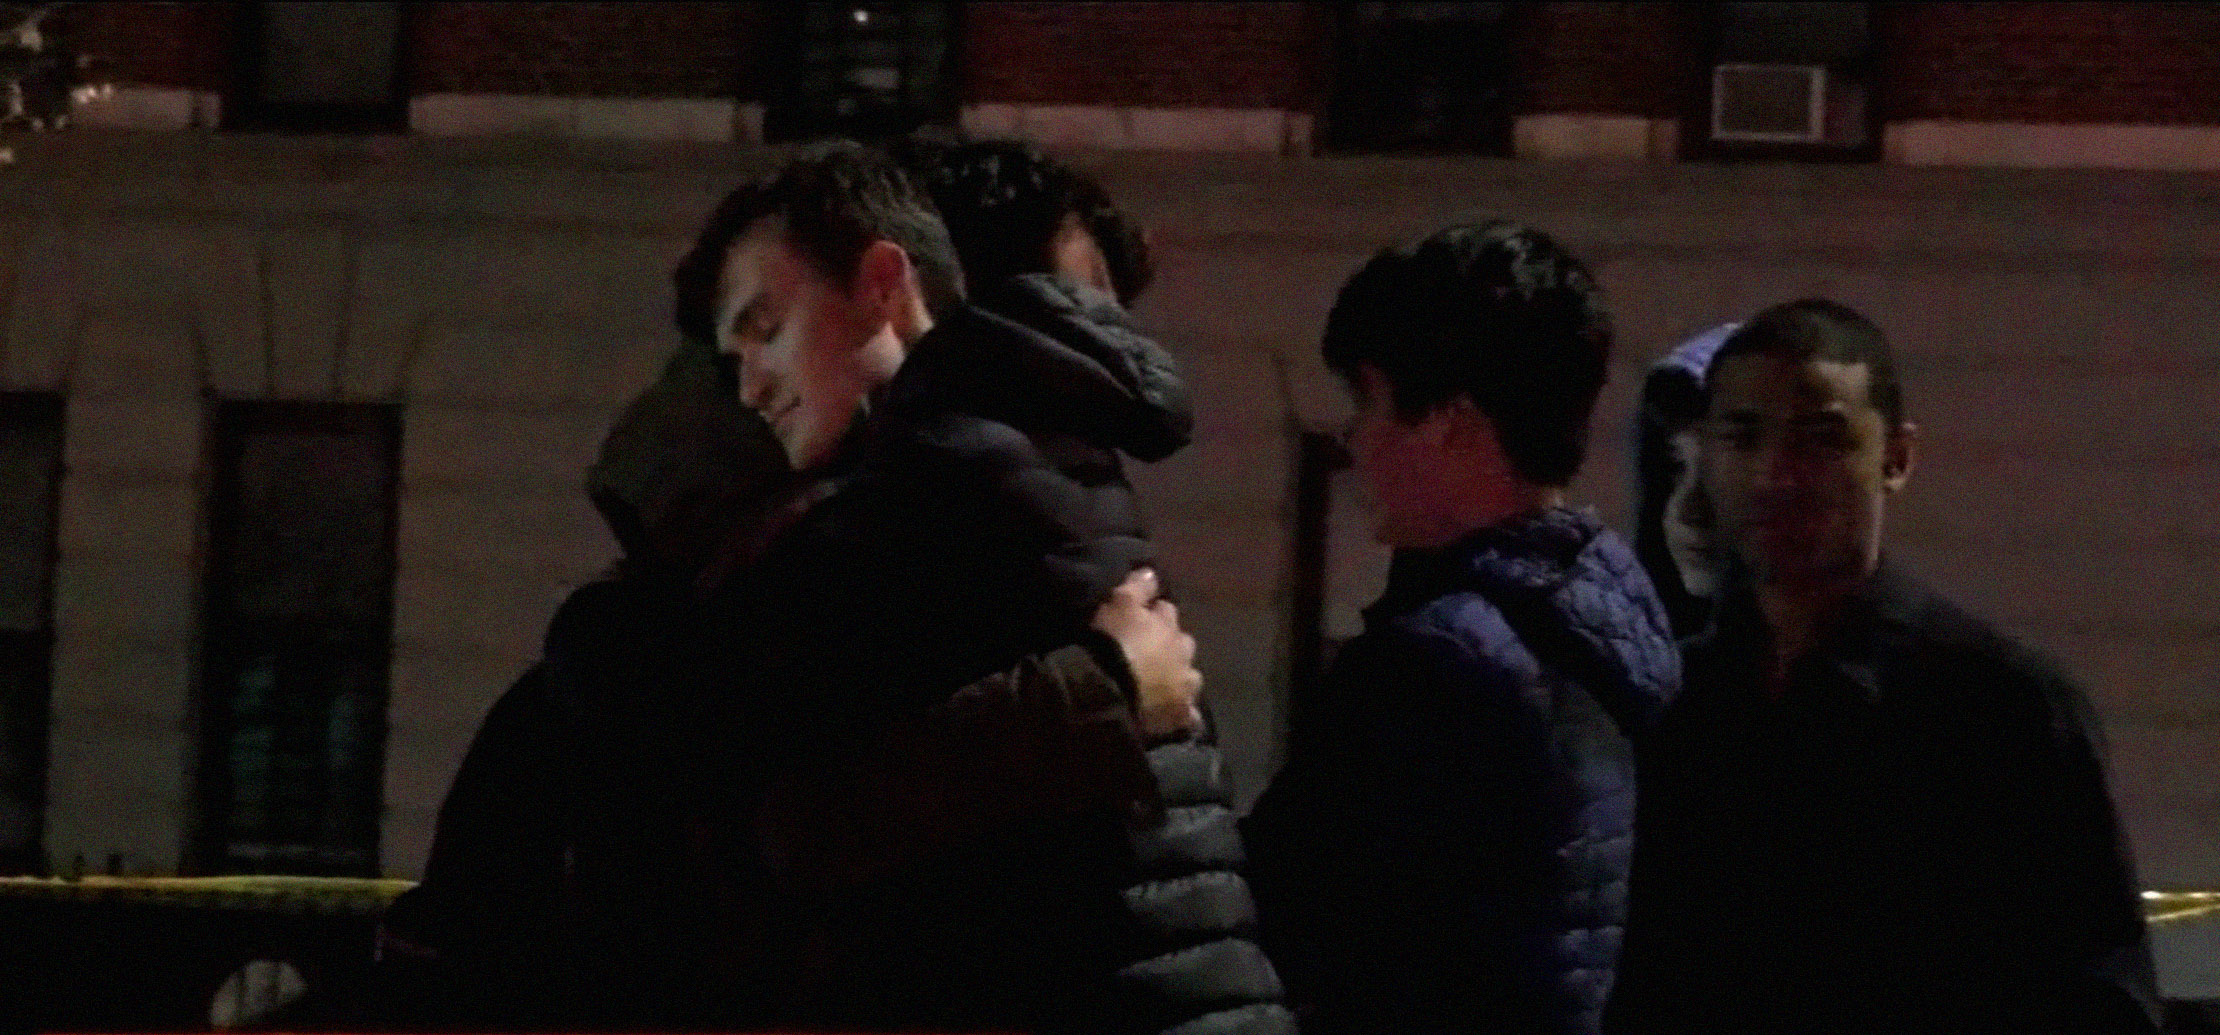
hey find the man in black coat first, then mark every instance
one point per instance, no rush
(1056, 735)
(961, 508)
(1867, 811)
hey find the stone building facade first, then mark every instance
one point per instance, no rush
(427, 323)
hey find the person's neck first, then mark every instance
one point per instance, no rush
(1798, 612)
(1480, 512)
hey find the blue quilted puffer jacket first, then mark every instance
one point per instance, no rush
(1446, 845)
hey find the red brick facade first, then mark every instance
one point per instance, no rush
(1605, 58)
(590, 49)
(1231, 55)
(2056, 62)
(2032, 62)
(182, 46)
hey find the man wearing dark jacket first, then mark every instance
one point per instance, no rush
(1445, 849)
(1057, 734)
(1868, 812)
(962, 508)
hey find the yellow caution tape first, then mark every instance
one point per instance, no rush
(312, 894)
(2164, 906)
(359, 893)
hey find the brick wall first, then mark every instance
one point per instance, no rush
(1604, 58)
(177, 45)
(1246, 55)
(591, 49)
(2065, 62)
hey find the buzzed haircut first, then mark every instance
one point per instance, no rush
(1815, 328)
(1492, 311)
(833, 198)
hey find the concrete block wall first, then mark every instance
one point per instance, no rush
(2056, 329)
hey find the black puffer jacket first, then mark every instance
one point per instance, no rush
(981, 517)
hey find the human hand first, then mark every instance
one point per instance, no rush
(1161, 655)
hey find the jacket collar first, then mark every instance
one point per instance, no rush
(1531, 554)
(1877, 621)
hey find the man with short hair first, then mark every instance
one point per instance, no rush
(961, 508)
(684, 469)
(1868, 811)
(1445, 848)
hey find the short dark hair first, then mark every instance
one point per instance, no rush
(1492, 311)
(1005, 200)
(1815, 328)
(835, 197)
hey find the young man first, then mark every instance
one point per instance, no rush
(685, 466)
(960, 509)
(1868, 812)
(1445, 848)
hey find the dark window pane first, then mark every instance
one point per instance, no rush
(30, 474)
(30, 485)
(329, 53)
(313, 66)
(1819, 33)
(300, 605)
(865, 70)
(1422, 77)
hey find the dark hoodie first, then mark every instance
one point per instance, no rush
(1673, 400)
(1446, 847)
(980, 517)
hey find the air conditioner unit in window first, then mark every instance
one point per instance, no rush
(1769, 103)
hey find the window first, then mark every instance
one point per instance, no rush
(1422, 77)
(312, 66)
(298, 625)
(865, 70)
(30, 485)
(1787, 80)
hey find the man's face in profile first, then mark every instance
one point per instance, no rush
(1796, 463)
(810, 349)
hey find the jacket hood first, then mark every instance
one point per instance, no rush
(1563, 564)
(1672, 398)
(1045, 355)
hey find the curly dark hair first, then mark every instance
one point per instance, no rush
(1493, 311)
(1004, 202)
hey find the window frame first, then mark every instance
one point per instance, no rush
(34, 647)
(790, 115)
(1707, 25)
(1345, 63)
(245, 111)
(228, 636)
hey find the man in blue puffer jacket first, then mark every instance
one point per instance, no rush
(1446, 847)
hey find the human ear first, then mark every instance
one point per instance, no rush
(1902, 452)
(885, 282)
